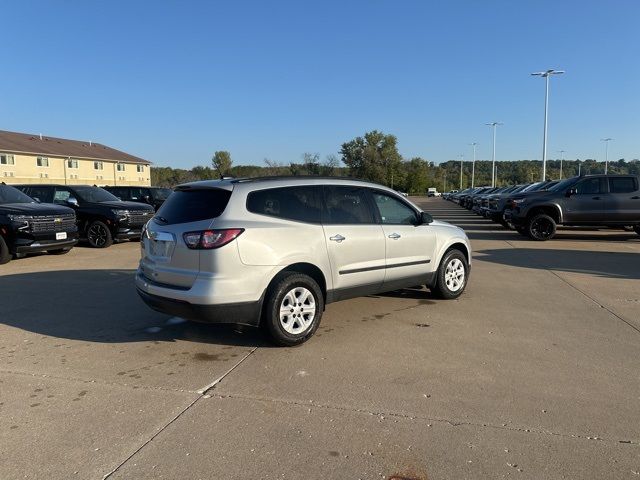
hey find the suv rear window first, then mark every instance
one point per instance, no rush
(185, 206)
(303, 204)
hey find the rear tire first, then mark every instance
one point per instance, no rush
(293, 309)
(99, 235)
(453, 273)
(5, 255)
(541, 227)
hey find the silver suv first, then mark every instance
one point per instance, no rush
(275, 251)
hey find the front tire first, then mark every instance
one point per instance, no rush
(293, 309)
(452, 275)
(541, 227)
(99, 235)
(5, 254)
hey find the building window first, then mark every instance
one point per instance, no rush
(98, 166)
(98, 177)
(121, 167)
(44, 175)
(42, 161)
(140, 168)
(6, 159)
(8, 174)
(72, 163)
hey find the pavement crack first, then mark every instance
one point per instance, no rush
(567, 282)
(204, 390)
(447, 421)
(202, 393)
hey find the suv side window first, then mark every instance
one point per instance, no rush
(622, 184)
(44, 194)
(393, 211)
(347, 206)
(303, 204)
(589, 186)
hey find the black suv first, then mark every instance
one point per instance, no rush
(592, 200)
(29, 227)
(154, 196)
(102, 218)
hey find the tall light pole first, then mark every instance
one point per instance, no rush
(606, 153)
(546, 76)
(473, 165)
(461, 163)
(493, 155)
(561, 160)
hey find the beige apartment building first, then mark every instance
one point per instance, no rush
(28, 158)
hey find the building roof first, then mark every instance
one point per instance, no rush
(13, 142)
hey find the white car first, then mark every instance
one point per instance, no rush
(277, 250)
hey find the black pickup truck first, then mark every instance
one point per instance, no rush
(589, 201)
(27, 226)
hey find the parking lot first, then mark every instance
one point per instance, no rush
(533, 373)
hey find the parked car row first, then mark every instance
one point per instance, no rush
(535, 210)
(53, 218)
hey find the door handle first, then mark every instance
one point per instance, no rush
(635, 198)
(395, 236)
(597, 198)
(337, 238)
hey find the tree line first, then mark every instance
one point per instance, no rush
(375, 157)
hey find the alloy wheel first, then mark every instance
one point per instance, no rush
(97, 235)
(297, 310)
(454, 275)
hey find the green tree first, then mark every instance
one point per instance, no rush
(222, 162)
(374, 157)
(416, 181)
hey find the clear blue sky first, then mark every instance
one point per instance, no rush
(173, 81)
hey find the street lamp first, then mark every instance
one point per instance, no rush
(606, 153)
(473, 165)
(493, 156)
(461, 163)
(561, 160)
(546, 76)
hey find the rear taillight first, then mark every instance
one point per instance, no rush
(210, 239)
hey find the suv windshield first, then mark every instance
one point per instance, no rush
(13, 195)
(558, 187)
(95, 194)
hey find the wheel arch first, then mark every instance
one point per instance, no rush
(553, 210)
(306, 268)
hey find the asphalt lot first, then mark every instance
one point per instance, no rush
(533, 373)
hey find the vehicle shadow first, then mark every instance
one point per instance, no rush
(621, 265)
(102, 306)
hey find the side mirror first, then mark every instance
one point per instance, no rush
(36, 199)
(146, 198)
(571, 191)
(425, 218)
(73, 202)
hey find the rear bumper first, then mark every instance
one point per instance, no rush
(234, 313)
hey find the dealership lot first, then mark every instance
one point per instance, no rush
(532, 373)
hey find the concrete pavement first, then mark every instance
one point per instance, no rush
(532, 373)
